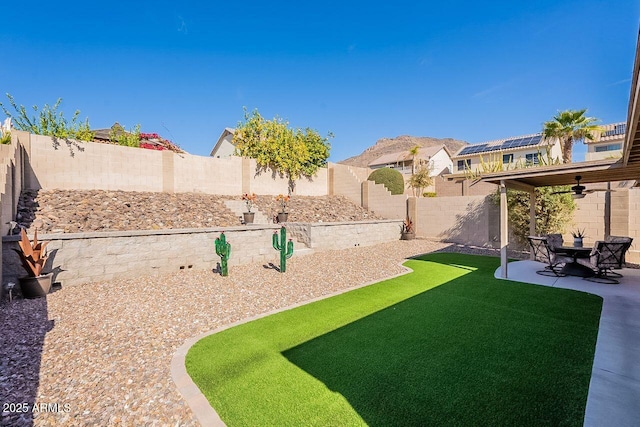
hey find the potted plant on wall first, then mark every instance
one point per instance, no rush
(283, 215)
(33, 256)
(407, 232)
(578, 236)
(249, 199)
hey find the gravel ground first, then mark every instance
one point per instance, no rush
(102, 351)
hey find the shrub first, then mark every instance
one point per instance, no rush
(390, 178)
(429, 194)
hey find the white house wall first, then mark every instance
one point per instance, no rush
(440, 162)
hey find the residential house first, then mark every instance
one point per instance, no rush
(607, 144)
(511, 153)
(224, 147)
(438, 158)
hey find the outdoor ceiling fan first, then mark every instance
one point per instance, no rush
(579, 191)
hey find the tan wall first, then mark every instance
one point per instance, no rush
(75, 165)
(471, 220)
(589, 215)
(462, 187)
(376, 198)
(344, 181)
(198, 174)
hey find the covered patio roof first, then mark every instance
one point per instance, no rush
(590, 172)
(624, 169)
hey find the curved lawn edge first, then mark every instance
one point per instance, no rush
(200, 406)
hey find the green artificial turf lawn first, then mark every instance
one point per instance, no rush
(447, 344)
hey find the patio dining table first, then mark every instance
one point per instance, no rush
(574, 268)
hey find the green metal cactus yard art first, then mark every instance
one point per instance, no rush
(223, 250)
(286, 249)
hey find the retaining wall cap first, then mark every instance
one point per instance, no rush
(106, 234)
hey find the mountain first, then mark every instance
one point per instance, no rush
(401, 143)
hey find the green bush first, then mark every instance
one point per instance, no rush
(390, 178)
(429, 194)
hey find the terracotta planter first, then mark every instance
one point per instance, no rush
(408, 236)
(248, 217)
(282, 216)
(35, 287)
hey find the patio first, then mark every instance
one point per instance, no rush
(614, 391)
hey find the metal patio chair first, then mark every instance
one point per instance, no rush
(544, 252)
(605, 257)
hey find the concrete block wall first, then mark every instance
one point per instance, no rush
(343, 181)
(73, 165)
(10, 173)
(343, 235)
(376, 198)
(469, 220)
(87, 257)
(199, 174)
(590, 216)
(462, 187)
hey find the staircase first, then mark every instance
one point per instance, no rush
(238, 207)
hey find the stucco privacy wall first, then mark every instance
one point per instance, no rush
(72, 165)
(471, 220)
(86, 257)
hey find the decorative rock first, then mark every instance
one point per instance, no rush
(66, 211)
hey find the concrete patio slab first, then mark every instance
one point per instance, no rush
(614, 391)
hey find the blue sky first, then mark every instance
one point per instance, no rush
(474, 71)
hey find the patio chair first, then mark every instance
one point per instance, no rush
(619, 239)
(543, 252)
(555, 240)
(605, 257)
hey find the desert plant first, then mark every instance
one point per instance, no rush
(286, 248)
(407, 225)
(223, 250)
(32, 254)
(5, 138)
(283, 202)
(421, 179)
(124, 138)
(578, 234)
(390, 178)
(49, 121)
(249, 200)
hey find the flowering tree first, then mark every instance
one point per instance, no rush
(274, 145)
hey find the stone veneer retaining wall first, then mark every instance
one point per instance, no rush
(78, 258)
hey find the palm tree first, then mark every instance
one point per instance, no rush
(414, 152)
(570, 126)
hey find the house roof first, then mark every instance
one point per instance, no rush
(404, 156)
(610, 132)
(505, 145)
(226, 132)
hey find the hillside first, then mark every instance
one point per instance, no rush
(401, 143)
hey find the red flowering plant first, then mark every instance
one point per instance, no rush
(249, 199)
(283, 201)
(152, 146)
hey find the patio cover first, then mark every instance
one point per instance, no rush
(626, 168)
